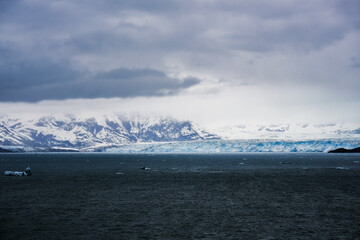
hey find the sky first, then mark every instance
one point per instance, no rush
(213, 62)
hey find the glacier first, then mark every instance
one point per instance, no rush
(236, 146)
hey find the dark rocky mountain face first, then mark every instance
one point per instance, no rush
(344, 150)
(68, 131)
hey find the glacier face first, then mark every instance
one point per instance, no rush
(237, 146)
(69, 131)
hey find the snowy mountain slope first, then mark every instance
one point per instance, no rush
(70, 131)
(288, 131)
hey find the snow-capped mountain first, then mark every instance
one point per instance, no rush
(70, 131)
(289, 131)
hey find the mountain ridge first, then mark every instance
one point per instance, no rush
(70, 131)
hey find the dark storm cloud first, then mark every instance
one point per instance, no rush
(32, 82)
(143, 82)
(21, 75)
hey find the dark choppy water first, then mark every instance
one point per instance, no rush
(243, 196)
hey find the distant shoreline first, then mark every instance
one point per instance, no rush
(343, 150)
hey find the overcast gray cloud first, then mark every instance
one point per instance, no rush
(64, 49)
(72, 28)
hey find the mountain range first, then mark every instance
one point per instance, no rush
(76, 132)
(149, 133)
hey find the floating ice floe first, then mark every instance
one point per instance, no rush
(27, 172)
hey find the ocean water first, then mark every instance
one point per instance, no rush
(217, 196)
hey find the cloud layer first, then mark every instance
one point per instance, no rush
(62, 49)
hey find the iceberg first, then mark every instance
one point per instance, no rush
(27, 172)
